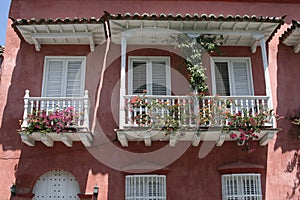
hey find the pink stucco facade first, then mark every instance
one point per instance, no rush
(189, 176)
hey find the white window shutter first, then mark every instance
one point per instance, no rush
(241, 79)
(139, 77)
(74, 79)
(54, 78)
(159, 78)
(63, 77)
(222, 79)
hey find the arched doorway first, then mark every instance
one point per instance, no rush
(58, 185)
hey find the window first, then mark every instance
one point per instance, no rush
(146, 187)
(232, 77)
(241, 187)
(151, 74)
(64, 76)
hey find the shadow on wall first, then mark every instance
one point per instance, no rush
(294, 165)
(23, 77)
(288, 101)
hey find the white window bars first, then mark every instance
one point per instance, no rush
(241, 187)
(145, 187)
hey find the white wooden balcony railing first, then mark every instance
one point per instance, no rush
(144, 115)
(184, 107)
(189, 107)
(80, 123)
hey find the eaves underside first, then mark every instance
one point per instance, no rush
(239, 30)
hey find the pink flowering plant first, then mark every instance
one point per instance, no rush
(53, 121)
(138, 105)
(248, 126)
(243, 126)
(155, 114)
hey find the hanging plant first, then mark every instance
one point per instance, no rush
(192, 50)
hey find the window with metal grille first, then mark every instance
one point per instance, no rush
(150, 75)
(64, 76)
(232, 77)
(241, 187)
(146, 187)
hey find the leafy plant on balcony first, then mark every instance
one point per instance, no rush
(214, 112)
(54, 121)
(244, 126)
(155, 114)
(138, 106)
(248, 125)
(166, 115)
(193, 50)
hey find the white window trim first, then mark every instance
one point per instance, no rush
(254, 176)
(59, 58)
(149, 73)
(130, 196)
(230, 72)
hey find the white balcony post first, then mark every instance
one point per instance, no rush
(86, 110)
(266, 68)
(122, 82)
(26, 97)
(196, 105)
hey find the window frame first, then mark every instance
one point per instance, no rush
(47, 59)
(148, 60)
(134, 196)
(230, 60)
(241, 177)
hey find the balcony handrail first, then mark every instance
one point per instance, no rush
(193, 104)
(206, 97)
(238, 97)
(55, 98)
(159, 96)
(48, 104)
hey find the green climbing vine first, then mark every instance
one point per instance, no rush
(192, 50)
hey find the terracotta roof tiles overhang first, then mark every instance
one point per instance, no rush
(238, 30)
(50, 21)
(81, 31)
(195, 17)
(291, 37)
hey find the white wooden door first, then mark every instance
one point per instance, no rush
(56, 185)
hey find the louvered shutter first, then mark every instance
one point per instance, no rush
(241, 79)
(159, 78)
(74, 79)
(139, 77)
(54, 78)
(222, 79)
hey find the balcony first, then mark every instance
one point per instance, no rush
(189, 118)
(78, 130)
